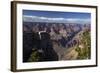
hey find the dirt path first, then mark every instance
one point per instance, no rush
(71, 55)
(66, 53)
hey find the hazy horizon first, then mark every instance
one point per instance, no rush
(58, 17)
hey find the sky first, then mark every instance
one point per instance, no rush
(30, 15)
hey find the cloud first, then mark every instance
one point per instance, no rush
(28, 18)
(77, 20)
(37, 17)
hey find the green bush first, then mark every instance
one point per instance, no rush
(34, 57)
(84, 53)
